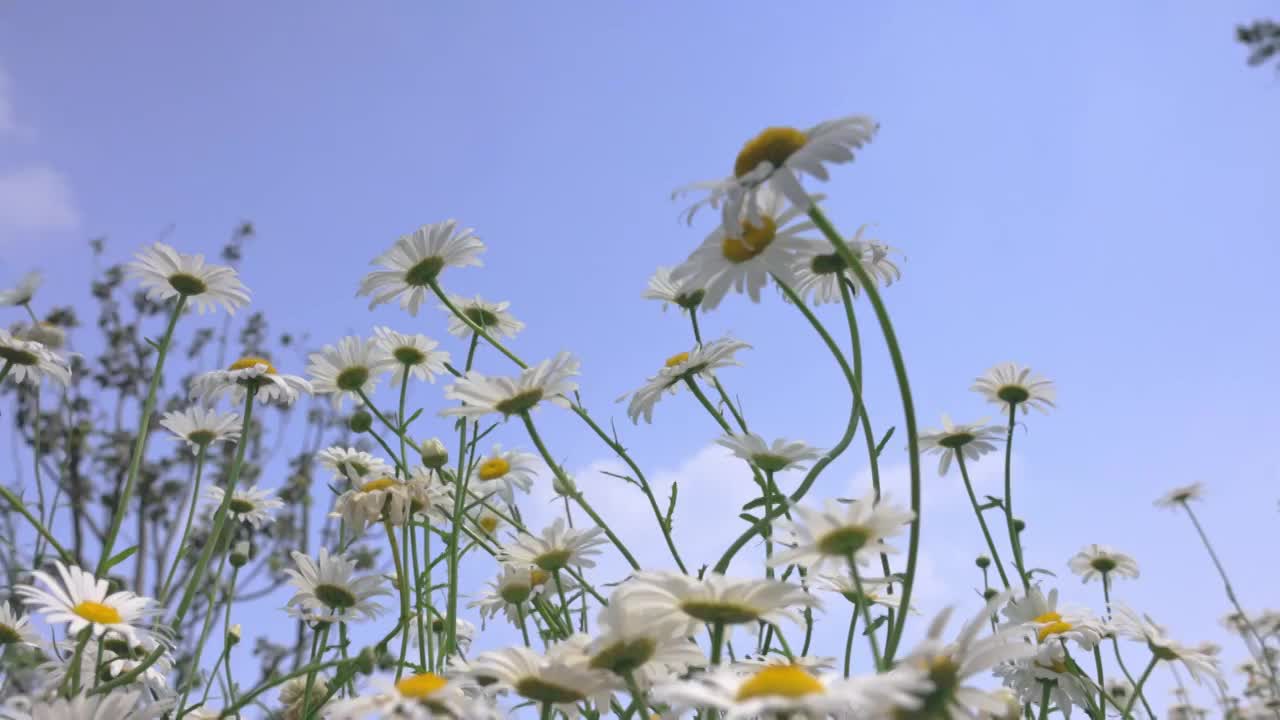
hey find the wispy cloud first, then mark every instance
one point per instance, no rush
(35, 198)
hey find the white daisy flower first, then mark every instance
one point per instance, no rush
(107, 660)
(82, 601)
(47, 334)
(328, 589)
(649, 651)
(1010, 385)
(812, 663)
(248, 505)
(201, 427)
(549, 380)
(514, 586)
(818, 270)
(1119, 691)
(108, 706)
(492, 317)
(1053, 622)
(416, 260)
(294, 692)
(1027, 677)
(840, 532)
(16, 629)
(1179, 496)
(463, 633)
(973, 441)
(1096, 561)
(558, 546)
(557, 678)
(875, 591)
(666, 290)
(502, 472)
(23, 292)
(781, 455)
(701, 361)
(249, 372)
(414, 697)
(1130, 624)
(658, 597)
(773, 161)
(345, 370)
(352, 464)
(414, 354)
(166, 273)
(28, 361)
(744, 260)
(373, 501)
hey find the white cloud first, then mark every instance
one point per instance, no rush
(34, 199)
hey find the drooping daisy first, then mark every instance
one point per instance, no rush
(875, 591)
(416, 260)
(1096, 561)
(781, 454)
(414, 354)
(248, 372)
(502, 472)
(328, 589)
(345, 370)
(201, 427)
(818, 270)
(773, 161)
(972, 441)
(166, 273)
(663, 596)
(743, 260)
(551, 679)
(372, 501)
(1130, 624)
(1010, 385)
(248, 505)
(16, 629)
(514, 586)
(1180, 496)
(492, 317)
(841, 532)
(627, 643)
(83, 601)
(28, 361)
(354, 465)
(699, 362)
(550, 380)
(558, 547)
(23, 292)
(685, 295)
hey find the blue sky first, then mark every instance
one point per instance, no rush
(1078, 188)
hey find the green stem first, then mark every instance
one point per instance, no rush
(1137, 689)
(986, 532)
(1014, 541)
(1115, 647)
(211, 599)
(4, 371)
(277, 682)
(865, 607)
(717, 640)
(37, 525)
(706, 403)
(524, 631)
(1102, 686)
(140, 442)
(848, 643)
(435, 287)
(403, 582)
(1044, 699)
(186, 530)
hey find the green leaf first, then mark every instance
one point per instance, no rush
(152, 343)
(775, 498)
(884, 441)
(749, 518)
(877, 622)
(404, 426)
(119, 558)
(671, 505)
(1033, 571)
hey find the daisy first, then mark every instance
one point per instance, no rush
(818, 270)
(773, 161)
(702, 361)
(416, 260)
(165, 273)
(1052, 622)
(556, 679)
(549, 380)
(23, 292)
(28, 361)
(1010, 385)
(16, 629)
(1180, 496)
(434, 454)
(657, 597)
(648, 651)
(463, 633)
(413, 354)
(109, 659)
(247, 372)
(782, 454)
(875, 591)
(668, 291)
(971, 441)
(514, 586)
(742, 260)
(201, 427)
(82, 601)
(1027, 677)
(373, 501)
(1102, 561)
(812, 663)
(248, 505)
(1130, 624)
(46, 333)
(559, 546)
(841, 532)
(347, 369)
(413, 697)
(327, 588)
(1119, 690)
(492, 317)
(294, 692)
(502, 472)
(352, 464)
(109, 706)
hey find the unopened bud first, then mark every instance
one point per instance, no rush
(434, 454)
(563, 484)
(1019, 525)
(983, 562)
(989, 593)
(240, 554)
(233, 635)
(360, 421)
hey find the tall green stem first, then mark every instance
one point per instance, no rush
(186, 530)
(403, 582)
(986, 532)
(848, 642)
(865, 607)
(1014, 541)
(1137, 689)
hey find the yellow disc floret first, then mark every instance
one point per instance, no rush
(381, 483)
(494, 468)
(245, 363)
(1051, 623)
(676, 359)
(96, 612)
(754, 240)
(789, 681)
(773, 145)
(421, 686)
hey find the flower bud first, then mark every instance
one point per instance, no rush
(983, 562)
(233, 635)
(360, 421)
(1019, 525)
(240, 554)
(434, 454)
(989, 593)
(563, 484)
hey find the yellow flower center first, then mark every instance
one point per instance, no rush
(96, 612)
(421, 686)
(381, 483)
(494, 468)
(676, 359)
(754, 240)
(789, 681)
(489, 523)
(773, 145)
(1051, 623)
(245, 363)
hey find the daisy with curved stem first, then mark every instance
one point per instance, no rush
(685, 295)
(416, 260)
(249, 372)
(1127, 623)
(352, 464)
(1051, 622)
(771, 164)
(82, 601)
(30, 362)
(348, 369)
(960, 442)
(414, 355)
(508, 593)
(841, 532)
(1102, 562)
(201, 427)
(21, 295)
(818, 272)
(558, 547)
(556, 681)
(491, 317)
(699, 362)
(166, 274)
(502, 472)
(781, 454)
(548, 381)
(1180, 496)
(329, 591)
(248, 505)
(16, 629)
